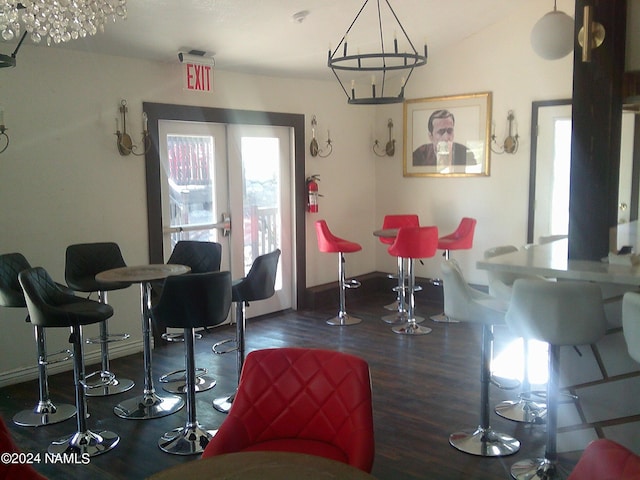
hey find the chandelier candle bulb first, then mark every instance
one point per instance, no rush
(144, 121)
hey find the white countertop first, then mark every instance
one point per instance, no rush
(550, 260)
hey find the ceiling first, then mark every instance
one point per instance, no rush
(261, 36)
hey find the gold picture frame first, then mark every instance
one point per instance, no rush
(460, 147)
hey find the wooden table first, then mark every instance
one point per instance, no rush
(263, 466)
(149, 404)
(387, 233)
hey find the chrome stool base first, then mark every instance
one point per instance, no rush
(44, 414)
(223, 404)
(484, 443)
(523, 411)
(82, 443)
(190, 440)
(538, 469)
(398, 317)
(148, 406)
(411, 329)
(344, 319)
(393, 306)
(115, 386)
(442, 318)
(504, 383)
(179, 386)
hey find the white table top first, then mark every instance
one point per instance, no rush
(550, 260)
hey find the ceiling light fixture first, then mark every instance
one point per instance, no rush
(552, 35)
(378, 62)
(57, 21)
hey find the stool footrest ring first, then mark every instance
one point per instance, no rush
(216, 346)
(104, 378)
(112, 337)
(53, 358)
(352, 283)
(167, 377)
(177, 337)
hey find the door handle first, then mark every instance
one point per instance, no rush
(224, 225)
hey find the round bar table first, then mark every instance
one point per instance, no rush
(149, 404)
(263, 466)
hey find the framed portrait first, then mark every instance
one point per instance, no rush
(447, 136)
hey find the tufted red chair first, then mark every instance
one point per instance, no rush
(8, 471)
(311, 401)
(329, 243)
(606, 460)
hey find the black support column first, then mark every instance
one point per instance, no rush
(595, 140)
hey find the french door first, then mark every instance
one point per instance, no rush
(230, 184)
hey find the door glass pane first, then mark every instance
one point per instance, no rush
(261, 198)
(191, 180)
(560, 178)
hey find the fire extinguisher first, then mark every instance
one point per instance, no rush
(312, 193)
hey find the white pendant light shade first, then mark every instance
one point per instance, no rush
(552, 35)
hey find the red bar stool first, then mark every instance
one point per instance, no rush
(412, 243)
(461, 239)
(329, 243)
(396, 222)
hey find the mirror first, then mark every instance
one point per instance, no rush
(550, 165)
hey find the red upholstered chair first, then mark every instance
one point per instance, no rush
(311, 401)
(329, 243)
(606, 460)
(460, 239)
(412, 243)
(9, 471)
(393, 222)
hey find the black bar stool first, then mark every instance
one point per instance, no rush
(11, 295)
(201, 257)
(191, 301)
(82, 262)
(259, 284)
(51, 307)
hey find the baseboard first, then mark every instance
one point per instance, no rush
(116, 350)
(374, 283)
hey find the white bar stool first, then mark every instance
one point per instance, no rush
(565, 313)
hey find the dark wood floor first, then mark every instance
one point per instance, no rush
(424, 389)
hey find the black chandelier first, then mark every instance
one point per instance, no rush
(375, 63)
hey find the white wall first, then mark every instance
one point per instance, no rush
(498, 60)
(62, 180)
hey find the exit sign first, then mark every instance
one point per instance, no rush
(198, 78)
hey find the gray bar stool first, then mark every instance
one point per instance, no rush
(259, 284)
(631, 323)
(82, 262)
(527, 408)
(51, 307)
(45, 412)
(564, 313)
(201, 257)
(191, 301)
(460, 239)
(465, 304)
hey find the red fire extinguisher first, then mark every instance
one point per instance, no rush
(312, 193)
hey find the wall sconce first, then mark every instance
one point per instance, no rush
(314, 148)
(511, 142)
(591, 35)
(125, 144)
(4, 137)
(390, 147)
